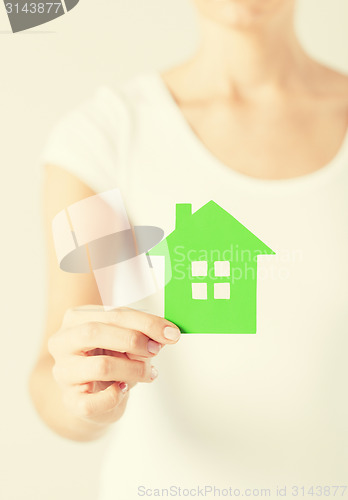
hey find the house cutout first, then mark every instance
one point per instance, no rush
(211, 279)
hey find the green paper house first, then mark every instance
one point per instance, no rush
(211, 272)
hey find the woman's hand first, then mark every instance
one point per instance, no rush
(99, 355)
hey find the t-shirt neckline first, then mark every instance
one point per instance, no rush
(203, 154)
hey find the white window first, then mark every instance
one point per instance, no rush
(199, 291)
(222, 291)
(199, 268)
(222, 268)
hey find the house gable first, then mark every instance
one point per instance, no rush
(210, 227)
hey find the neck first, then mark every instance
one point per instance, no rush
(250, 59)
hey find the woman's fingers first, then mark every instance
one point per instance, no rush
(155, 327)
(84, 369)
(89, 405)
(134, 356)
(97, 335)
(95, 349)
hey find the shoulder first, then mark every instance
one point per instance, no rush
(93, 139)
(109, 106)
(332, 84)
(106, 115)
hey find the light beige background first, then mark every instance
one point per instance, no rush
(44, 73)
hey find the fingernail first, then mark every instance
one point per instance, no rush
(153, 347)
(171, 333)
(123, 386)
(154, 372)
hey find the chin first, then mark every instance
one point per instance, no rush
(242, 14)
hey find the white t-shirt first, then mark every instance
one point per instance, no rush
(240, 411)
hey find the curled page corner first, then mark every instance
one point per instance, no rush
(95, 235)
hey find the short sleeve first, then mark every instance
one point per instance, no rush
(91, 141)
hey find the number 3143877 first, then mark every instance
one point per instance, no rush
(33, 8)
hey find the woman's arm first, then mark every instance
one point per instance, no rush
(89, 359)
(64, 291)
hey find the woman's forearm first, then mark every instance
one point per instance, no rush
(47, 399)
